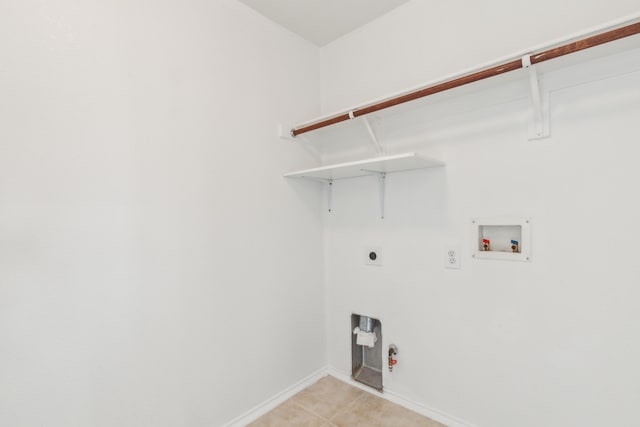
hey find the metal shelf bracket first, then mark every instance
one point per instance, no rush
(382, 184)
(539, 116)
(382, 177)
(376, 143)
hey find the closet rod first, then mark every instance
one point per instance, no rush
(516, 64)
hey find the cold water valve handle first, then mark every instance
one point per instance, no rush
(393, 350)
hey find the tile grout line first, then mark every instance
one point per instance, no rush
(362, 393)
(293, 400)
(352, 403)
(310, 411)
(349, 409)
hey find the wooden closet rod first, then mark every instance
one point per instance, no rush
(536, 58)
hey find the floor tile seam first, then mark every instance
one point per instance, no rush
(394, 406)
(310, 411)
(352, 403)
(355, 399)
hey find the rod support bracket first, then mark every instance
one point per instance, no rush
(382, 178)
(538, 126)
(374, 138)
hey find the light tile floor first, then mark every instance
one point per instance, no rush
(334, 403)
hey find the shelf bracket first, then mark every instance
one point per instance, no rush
(379, 148)
(539, 116)
(382, 182)
(382, 177)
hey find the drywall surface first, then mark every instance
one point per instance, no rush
(548, 342)
(155, 268)
(423, 41)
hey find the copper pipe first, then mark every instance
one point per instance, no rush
(536, 58)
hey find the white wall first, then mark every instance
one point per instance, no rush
(497, 343)
(155, 269)
(422, 41)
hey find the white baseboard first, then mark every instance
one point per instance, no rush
(391, 396)
(269, 404)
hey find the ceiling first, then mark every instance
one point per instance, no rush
(322, 21)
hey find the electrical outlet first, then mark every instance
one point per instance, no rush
(373, 255)
(452, 257)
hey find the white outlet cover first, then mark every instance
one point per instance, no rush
(452, 257)
(374, 252)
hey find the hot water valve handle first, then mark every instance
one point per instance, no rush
(393, 350)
